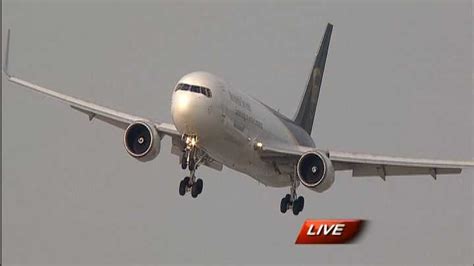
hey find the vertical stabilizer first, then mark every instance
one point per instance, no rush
(305, 115)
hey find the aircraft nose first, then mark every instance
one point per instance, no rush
(188, 112)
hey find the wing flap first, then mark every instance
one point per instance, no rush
(389, 170)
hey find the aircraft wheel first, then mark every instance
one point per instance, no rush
(191, 164)
(182, 188)
(183, 185)
(284, 203)
(199, 185)
(184, 163)
(195, 190)
(298, 205)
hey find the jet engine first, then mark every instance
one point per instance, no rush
(315, 171)
(142, 141)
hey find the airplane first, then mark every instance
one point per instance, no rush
(215, 126)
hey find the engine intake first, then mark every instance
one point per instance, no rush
(315, 171)
(142, 141)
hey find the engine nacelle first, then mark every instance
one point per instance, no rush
(315, 171)
(142, 141)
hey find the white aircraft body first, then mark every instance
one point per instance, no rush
(215, 125)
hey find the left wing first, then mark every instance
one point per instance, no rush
(366, 164)
(105, 114)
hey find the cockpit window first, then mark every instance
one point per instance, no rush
(182, 87)
(193, 88)
(207, 92)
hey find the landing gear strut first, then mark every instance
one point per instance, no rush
(191, 160)
(292, 201)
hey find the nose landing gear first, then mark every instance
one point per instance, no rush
(191, 159)
(188, 160)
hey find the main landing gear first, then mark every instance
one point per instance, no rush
(191, 184)
(191, 160)
(292, 201)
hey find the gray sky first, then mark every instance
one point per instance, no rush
(398, 81)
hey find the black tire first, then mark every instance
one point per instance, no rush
(184, 164)
(194, 190)
(295, 208)
(284, 203)
(199, 185)
(301, 200)
(191, 165)
(182, 188)
(186, 180)
(298, 205)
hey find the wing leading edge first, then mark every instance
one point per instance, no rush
(108, 115)
(105, 114)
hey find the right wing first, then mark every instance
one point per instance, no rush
(377, 165)
(108, 115)
(364, 164)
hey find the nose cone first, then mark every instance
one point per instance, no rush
(190, 112)
(196, 112)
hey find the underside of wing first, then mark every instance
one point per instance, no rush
(364, 164)
(113, 117)
(375, 165)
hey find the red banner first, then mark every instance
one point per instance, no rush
(329, 231)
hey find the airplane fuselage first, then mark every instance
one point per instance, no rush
(229, 123)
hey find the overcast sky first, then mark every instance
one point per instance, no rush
(398, 81)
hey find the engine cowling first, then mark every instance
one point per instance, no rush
(315, 171)
(142, 141)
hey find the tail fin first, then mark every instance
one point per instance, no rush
(305, 114)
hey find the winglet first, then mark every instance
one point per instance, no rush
(5, 66)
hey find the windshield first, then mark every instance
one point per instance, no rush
(193, 88)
